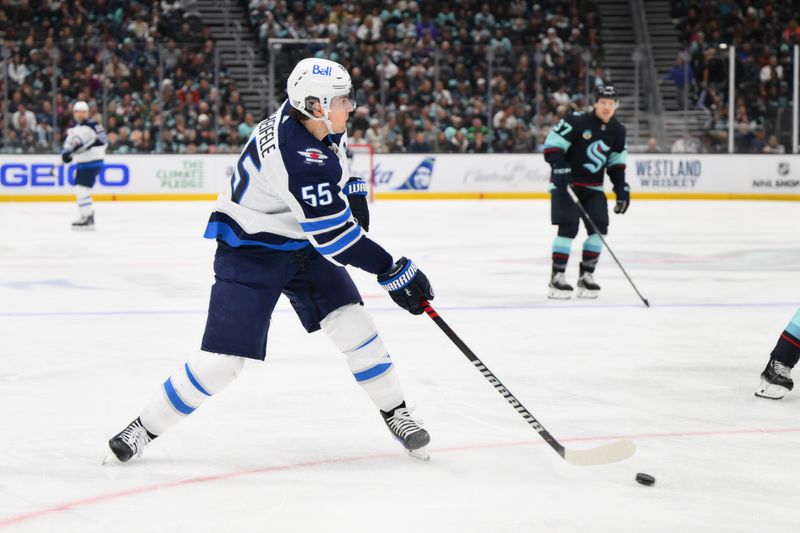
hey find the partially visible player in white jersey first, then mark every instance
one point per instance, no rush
(85, 144)
(290, 222)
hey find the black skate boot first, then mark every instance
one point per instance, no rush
(559, 288)
(85, 223)
(776, 381)
(129, 442)
(408, 431)
(587, 288)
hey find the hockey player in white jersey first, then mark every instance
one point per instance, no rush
(85, 144)
(290, 222)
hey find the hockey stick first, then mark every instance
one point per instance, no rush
(597, 232)
(605, 454)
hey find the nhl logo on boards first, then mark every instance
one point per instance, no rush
(587, 134)
(313, 156)
(783, 168)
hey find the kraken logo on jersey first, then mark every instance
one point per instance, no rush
(595, 154)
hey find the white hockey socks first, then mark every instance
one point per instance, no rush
(84, 197)
(353, 331)
(203, 375)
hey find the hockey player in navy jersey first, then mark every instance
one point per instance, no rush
(581, 148)
(776, 379)
(85, 144)
(290, 222)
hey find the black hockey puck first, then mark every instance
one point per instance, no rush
(645, 479)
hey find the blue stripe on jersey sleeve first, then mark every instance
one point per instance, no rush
(327, 237)
(346, 239)
(330, 223)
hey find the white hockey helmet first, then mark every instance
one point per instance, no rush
(80, 105)
(320, 80)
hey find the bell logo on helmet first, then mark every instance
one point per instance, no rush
(325, 71)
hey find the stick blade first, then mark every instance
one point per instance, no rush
(602, 455)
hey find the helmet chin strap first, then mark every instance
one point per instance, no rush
(324, 118)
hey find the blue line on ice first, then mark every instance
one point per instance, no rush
(511, 307)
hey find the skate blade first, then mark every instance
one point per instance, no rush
(770, 391)
(111, 459)
(420, 453)
(556, 294)
(82, 228)
(587, 294)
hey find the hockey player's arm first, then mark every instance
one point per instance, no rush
(96, 136)
(324, 214)
(615, 168)
(71, 143)
(322, 209)
(556, 145)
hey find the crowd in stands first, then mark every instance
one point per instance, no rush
(764, 33)
(157, 61)
(457, 77)
(432, 59)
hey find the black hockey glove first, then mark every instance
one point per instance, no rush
(562, 177)
(356, 191)
(407, 285)
(623, 198)
(66, 156)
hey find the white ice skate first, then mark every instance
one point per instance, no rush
(85, 223)
(776, 381)
(559, 288)
(587, 288)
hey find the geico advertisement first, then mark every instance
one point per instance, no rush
(180, 174)
(20, 175)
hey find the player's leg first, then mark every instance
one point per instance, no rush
(565, 215)
(325, 297)
(201, 376)
(776, 379)
(85, 178)
(596, 205)
(247, 285)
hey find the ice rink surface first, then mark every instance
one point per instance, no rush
(92, 323)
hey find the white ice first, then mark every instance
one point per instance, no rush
(92, 323)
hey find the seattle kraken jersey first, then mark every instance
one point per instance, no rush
(588, 146)
(87, 141)
(286, 193)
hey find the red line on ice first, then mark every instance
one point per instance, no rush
(85, 502)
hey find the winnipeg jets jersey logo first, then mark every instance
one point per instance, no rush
(313, 156)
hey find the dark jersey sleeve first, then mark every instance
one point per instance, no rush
(558, 141)
(328, 223)
(617, 159)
